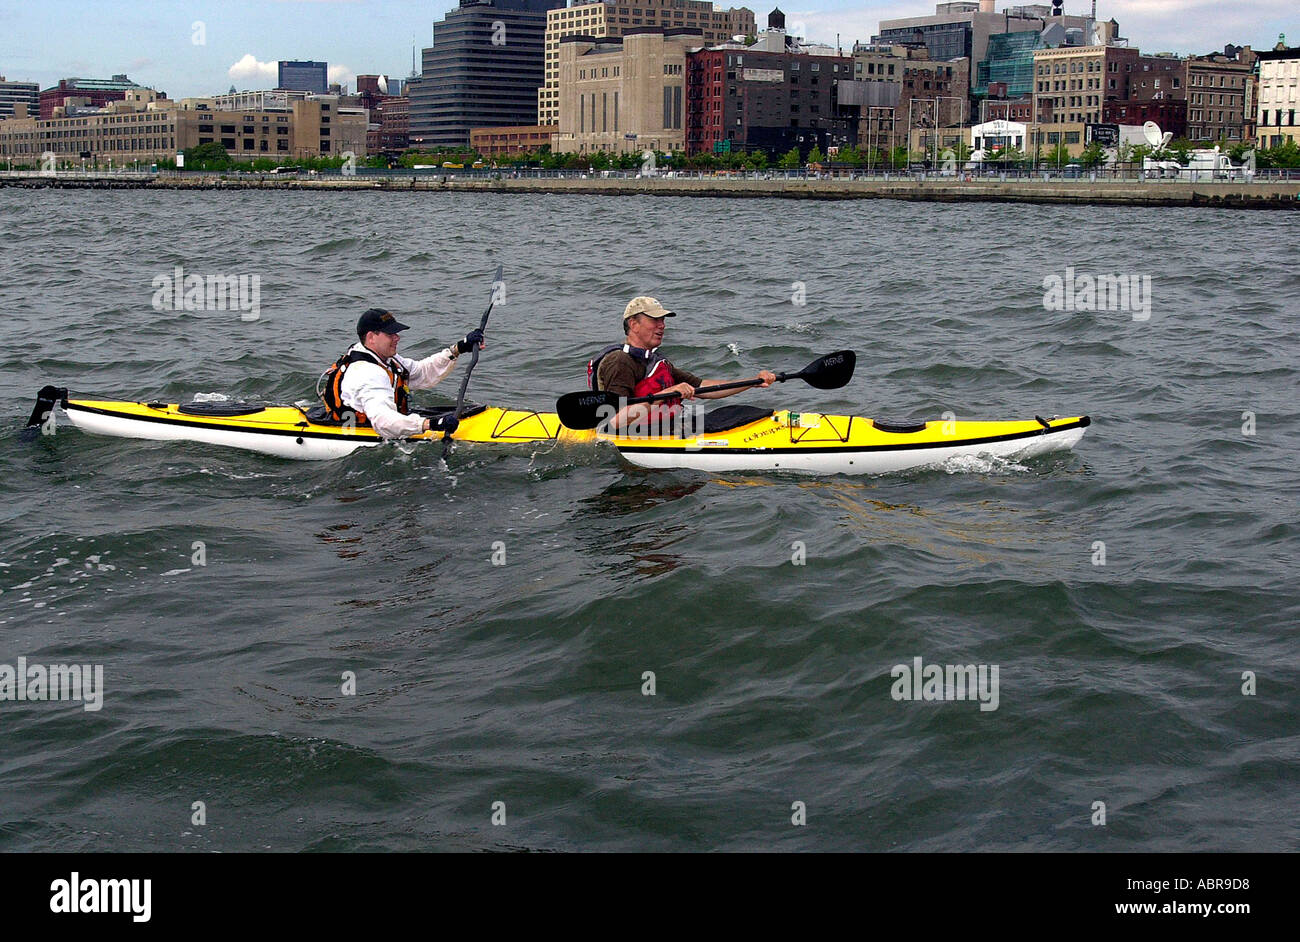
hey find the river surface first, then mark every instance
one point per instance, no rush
(665, 660)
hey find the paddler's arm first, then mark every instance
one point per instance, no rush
(639, 412)
(429, 372)
(764, 379)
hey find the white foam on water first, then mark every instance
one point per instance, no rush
(175, 572)
(980, 464)
(211, 397)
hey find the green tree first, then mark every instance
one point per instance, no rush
(1285, 157)
(789, 160)
(207, 157)
(815, 156)
(1010, 157)
(1057, 157)
(1237, 152)
(1181, 151)
(1094, 155)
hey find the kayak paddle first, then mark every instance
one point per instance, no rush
(584, 410)
(464, 383)
(46, 400)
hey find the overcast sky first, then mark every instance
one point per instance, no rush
(202, 47)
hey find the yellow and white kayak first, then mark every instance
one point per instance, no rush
(291, 432)
(732, 438)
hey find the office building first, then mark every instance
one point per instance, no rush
(143, 127)
(482, 70)
(27, 94)
(304, 76)
(963, 29)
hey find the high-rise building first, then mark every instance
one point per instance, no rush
(601, 20)
(18, 93)
(1279, 95)
(482, 70)
(304, 76)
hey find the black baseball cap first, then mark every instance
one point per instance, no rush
(378, 319)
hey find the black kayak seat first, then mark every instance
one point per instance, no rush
(218, 409)
(898, 428)
(318, 416)
(729, 417)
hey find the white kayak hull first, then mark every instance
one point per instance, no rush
(303, 447)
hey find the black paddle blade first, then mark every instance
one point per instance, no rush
(46, 400)
(831, 371)
(584, 410)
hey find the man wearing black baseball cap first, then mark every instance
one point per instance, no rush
(373, 383)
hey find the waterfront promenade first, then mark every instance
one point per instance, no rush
(1269, 194)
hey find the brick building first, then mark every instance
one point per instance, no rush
(92, 93)
(525, 139)
(1219, 99)
(742, 99)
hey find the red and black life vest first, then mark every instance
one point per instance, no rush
(657, 379)
(649, 357)
(332, 391)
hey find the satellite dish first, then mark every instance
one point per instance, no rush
(383, 84)
(1169, 136)
(1151, 131)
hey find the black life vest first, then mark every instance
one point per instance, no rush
(651, 357)
(332, 391)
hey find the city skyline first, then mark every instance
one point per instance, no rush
(196, 48)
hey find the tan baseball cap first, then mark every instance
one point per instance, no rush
(650, 307)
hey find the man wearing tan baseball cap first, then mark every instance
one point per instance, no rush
(636, 368)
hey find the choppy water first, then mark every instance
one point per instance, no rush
(522, 683)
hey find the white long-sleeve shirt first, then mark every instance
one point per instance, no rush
(367, 388)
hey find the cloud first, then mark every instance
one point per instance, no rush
(250, 68)
(137, 64)
(341, 74)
